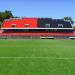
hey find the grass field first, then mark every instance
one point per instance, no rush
(37, 57)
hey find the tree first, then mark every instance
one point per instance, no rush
(8, 14)
(69, 19)
(5, 15)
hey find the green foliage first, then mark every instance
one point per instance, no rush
(5, 15)
(69, 19)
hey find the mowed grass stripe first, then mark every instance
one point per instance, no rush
(34, 58)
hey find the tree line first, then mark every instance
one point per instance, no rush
(8, 14)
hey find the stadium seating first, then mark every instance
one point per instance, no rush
(38, 34)
(36, 28)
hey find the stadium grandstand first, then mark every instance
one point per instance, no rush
(26, 28)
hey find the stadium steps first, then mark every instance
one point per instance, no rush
(35, 35)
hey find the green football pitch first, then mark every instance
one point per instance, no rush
(37, 57)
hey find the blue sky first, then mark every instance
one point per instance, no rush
(40, 8)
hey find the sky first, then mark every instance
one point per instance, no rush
(40, 8)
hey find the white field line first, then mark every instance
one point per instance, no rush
(34, 58)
